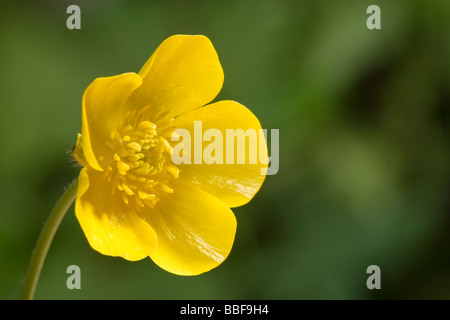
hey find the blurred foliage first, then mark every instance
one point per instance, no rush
(364, 144)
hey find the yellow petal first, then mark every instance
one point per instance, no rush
(104, 105)
(184, 73)
(232, 182)
(111, 227)
(195, 231)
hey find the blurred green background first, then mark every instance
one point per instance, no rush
(364, 119)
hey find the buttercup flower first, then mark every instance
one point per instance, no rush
(132, 200)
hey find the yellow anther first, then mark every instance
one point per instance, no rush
(146, 196)
(146, 125)
(143, 171)
(123, 153)
(124, 198)
(127, 189)
(122, 166)
(134, 158)
(135, 146)
(143, 168)
(174, 171)
(110, 145)
(139, 202)
(166, 188)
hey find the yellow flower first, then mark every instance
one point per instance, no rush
(132, 200)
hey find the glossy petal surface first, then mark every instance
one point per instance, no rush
(236, 183)
(104, 106)
(195, 231)
(110, 226)
(183, 73)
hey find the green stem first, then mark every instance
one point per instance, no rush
(45, 239)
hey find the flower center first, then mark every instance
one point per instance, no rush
(141, 168)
